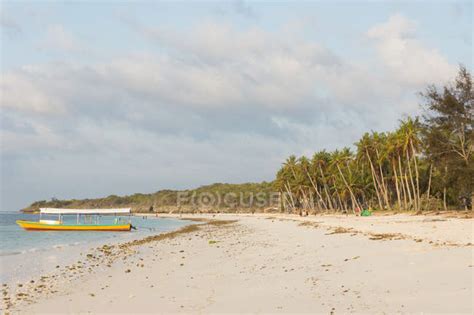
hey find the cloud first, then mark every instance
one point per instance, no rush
(21, 90)
(397, 26)
(242, 67)
(213, 70)
(36, 136)
(405, 57)
(215, 78)
(210, 71)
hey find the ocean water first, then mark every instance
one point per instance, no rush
(24, 253)
(15, 240)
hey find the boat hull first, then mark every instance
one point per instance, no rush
(37, 226)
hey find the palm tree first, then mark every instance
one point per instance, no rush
(380, 154)
(341, 159)
(393, 152)
(282, 183)
(320, 162)
(311, 174)
(410, 130)
(364, 152)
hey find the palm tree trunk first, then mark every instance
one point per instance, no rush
(385, 191)
(374, 180)
(407, 187)
(341, 206)
(353, 198)
(326, 190)
(444, 199)
(305, 199)
(444, 188)
(336, 191)
(382, 180)
(396, 185)
(417, 175)
(282, 202)
(315, 188)
(429, 185)
(472, 201)
(313, 206)
(404, 182)
(412, 182)
(287, 187)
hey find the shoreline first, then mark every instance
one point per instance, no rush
(24, 265)
(90, 257)
(244, 248)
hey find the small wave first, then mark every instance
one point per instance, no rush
(27, 251)
(60, 246)
(11, 253)
(34, 250)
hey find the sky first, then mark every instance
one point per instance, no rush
(118, 97)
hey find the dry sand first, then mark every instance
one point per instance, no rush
(271, 264)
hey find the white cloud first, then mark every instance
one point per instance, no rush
(405, 57)
(21, 91)
(40, 137)
(397, 26)
(215, 68)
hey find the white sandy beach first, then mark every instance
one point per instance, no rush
(272, 264)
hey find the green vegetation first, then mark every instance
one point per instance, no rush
(242, 196)
(426, 164)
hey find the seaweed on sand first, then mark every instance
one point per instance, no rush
(341, 230)
(386, 236)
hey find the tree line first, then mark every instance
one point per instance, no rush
(223, 198)
(425, 164)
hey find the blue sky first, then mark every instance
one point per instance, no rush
(121, 97)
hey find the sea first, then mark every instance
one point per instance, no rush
(24, 254)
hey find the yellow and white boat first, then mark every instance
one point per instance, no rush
(86, 220)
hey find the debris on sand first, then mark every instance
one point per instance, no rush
(309, 224)
(353, 258)
(341, 230)
(221, 222)
(386, 236)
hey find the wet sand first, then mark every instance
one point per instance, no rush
(270, 264)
